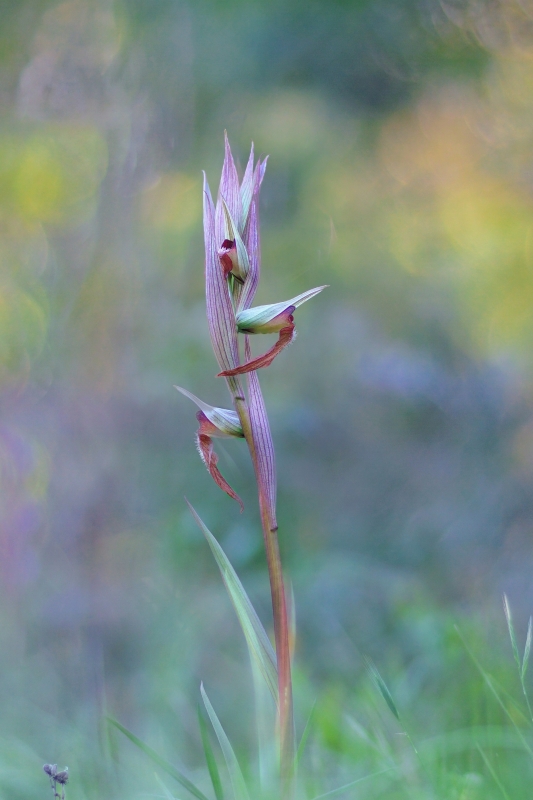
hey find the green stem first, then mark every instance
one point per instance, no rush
(280, 616)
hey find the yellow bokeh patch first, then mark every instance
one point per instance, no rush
(173, 203)
(52, 176)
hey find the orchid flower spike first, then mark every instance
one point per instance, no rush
(269, 319)
(219, 422)
(232, 254)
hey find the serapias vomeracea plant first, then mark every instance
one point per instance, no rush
(232, 270)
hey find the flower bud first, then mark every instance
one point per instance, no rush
(273, 317)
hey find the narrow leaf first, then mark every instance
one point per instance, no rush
(341, 789)
(210, 759)
(527, 649)
(383, 688)
(510, 627)
(166, 791)
(490, 684)
(256, 638)
(237, 780)
(493, 772)
(305, 735)
(157, 759)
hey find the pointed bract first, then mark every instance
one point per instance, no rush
(225, 420)
(229, 189)
(252, 241)
(220, 315)
(264, 446)
(247, 190)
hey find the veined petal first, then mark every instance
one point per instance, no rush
(251, 239)
(247, 190)
(220, 315)
(225, 421)
(253, 247)
(258, 319)
(229, 189)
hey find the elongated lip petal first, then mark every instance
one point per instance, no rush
(210, 459)
(286, 336)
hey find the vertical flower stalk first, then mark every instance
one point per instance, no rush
(232, 271)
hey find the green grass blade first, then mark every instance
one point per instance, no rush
(490, 684)
(492, 771)
(305, 735)
(166, 791)
(211, 761)
(157, 759)
(383, 688)
(240, 791)
(265, 718)
(510, 627)
(347, 786)
(258, 642)
(527, 649)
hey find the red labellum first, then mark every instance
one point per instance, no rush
(228, 256)
(286, 336)
(210, 458)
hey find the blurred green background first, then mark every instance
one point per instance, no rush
(400, 135)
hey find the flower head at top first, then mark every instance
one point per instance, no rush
(232, 269)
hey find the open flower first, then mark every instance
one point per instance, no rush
(269, 319)
(219, 422)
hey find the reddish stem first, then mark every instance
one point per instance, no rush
(280, 616)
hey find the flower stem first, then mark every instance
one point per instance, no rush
(280, 616)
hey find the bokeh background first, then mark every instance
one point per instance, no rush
(400, 135)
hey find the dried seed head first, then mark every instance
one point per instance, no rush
(50, 769)
(62, 777)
